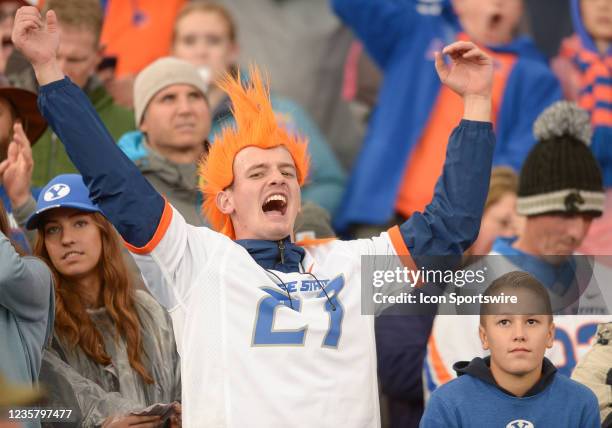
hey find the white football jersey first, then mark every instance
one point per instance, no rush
(252, 357)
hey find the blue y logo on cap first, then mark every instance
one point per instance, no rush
(57, 191)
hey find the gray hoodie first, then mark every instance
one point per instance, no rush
(26, 314)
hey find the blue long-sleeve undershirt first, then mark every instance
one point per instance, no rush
(127, 199)
(448, 225)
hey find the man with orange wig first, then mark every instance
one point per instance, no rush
(270, 333)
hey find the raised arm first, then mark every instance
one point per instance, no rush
(450, 223)
(114, 182)
(379, 24)
(16, 177)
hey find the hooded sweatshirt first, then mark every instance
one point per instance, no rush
(456, 338)
(586, 75)
(475, 400)
(401, 37)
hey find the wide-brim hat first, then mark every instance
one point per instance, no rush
(26, 109)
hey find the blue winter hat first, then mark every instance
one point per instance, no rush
(67, 191)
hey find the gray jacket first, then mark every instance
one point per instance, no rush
(26, 314)
(94, 391)
(178, 183)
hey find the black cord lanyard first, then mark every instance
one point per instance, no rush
(283, 286)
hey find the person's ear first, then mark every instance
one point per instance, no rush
(483, 337)
(550, 337)
(225, 202)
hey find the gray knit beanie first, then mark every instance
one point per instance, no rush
(160, 74)
(560, 174)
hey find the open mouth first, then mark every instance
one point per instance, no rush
(275, 204)
(495, 20)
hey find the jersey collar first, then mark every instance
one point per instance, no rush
(267, 254)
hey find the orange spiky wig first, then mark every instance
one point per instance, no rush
(256, 125)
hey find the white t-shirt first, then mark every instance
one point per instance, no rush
(247, 358)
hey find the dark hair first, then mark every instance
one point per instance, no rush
(509, 284)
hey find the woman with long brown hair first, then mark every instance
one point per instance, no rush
(113, 346)
(26, 311)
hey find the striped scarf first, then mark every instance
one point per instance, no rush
(595, 71)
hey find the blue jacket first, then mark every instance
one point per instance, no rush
(326, 178)
(401, 40)
(475, 400)
(447, 227)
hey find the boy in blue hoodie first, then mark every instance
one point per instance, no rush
(516, 386)
(404, 147)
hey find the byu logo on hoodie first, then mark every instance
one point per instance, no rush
(520, 423)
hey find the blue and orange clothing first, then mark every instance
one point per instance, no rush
(138, 32)
(405, 143)
(425, 164)
(448, 226)
(588, 81)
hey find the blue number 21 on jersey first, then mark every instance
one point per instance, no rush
(264, 333)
